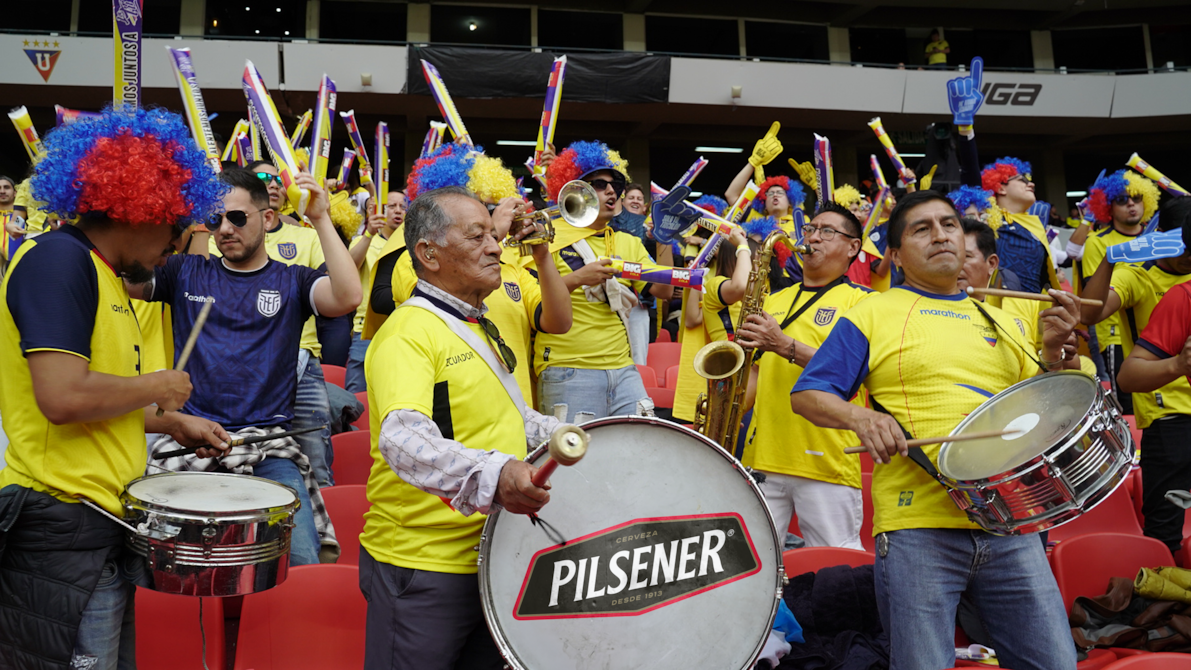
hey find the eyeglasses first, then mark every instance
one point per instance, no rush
(599, 185)
(266, 177)
(1126, 199)
(237, 218)
(826, 233)
(1024, 177)
(507, 357)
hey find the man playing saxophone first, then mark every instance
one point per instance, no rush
(806, 470)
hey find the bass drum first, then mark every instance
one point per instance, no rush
(670, 558)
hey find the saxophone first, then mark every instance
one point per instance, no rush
(726, 365)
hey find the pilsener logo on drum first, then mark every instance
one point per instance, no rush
(637, 567)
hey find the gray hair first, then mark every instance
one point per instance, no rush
(427, 221)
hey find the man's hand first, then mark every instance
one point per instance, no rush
(763, 333)
(880, 433)
(375, 223)
(737, 238)
(515, 491)
(964, 96)
(319, 203)
(1058, 322)
(193, 431)
(1184, 358)
(767, 148)
(174, 389)
(548, 157)
(592, 274)
(504, 214)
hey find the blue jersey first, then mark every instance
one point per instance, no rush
(243, 366)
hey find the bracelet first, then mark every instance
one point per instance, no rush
(793, 350)
(1047, 364)
(368, 233)
(744, 248)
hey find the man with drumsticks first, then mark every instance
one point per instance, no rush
(928, 356)
(449, 428)
(806, 471)
(75, 401)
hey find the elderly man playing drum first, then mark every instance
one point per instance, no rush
(449, 428)
(929, 355)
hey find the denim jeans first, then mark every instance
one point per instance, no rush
(304, 543)
(107, 634)
(311, 408)
(921, 577)
(355, 382)
(601, 392)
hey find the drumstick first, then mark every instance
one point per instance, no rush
(194, 332)
(921, 442)
(237, 441)
(568, 445)
(1040, 297)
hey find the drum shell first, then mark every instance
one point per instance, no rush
(200, 553)
(1058, 485)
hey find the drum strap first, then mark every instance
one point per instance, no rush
(916, 454)
(997, 326)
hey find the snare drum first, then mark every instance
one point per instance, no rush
(211, 534)
(1074, 449)
(671, 559)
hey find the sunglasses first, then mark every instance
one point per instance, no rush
(237, 218)
(599, 185)
(266, 177)
(1126, 199)
(507, 357)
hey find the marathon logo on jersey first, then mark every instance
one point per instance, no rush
(637, 567)
(945, 312)
(824, 316)
(288, 250)
(513, 290)
(268, 302)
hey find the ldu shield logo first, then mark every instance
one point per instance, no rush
(288, 250)
(268, 302)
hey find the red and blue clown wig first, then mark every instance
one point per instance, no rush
(454, 164)
(1000, 171)
(793, 189)
(966, 196)
(1122, 183)
(711, 203)
(133, 167)
(579, 160)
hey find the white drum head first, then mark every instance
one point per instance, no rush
(695, 562)
(210, 492)
(1044, 409)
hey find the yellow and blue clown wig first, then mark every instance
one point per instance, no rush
(846, 195)
(579, 160)
(793, 189)
(137, 167)
(1000, 171)
(455, 164)
(1122, 183)
(966, 196)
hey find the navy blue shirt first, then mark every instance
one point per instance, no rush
(244, 364)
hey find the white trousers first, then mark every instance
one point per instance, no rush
(830, 515)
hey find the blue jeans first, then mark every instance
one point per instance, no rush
(312, 408)
(355, 382)
(304, 543)
(600, 392)
(919, 582)
(107, 634)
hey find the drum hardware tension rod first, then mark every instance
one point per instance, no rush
(113, 517)
(194, 333)
(237, 441)
(921, 442)
(568, 445)
(1040, 297)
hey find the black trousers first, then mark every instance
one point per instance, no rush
(1165, 466)
(1114, 356)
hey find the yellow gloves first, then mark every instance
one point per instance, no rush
(924, 182)
(806, 172)
(766, 149)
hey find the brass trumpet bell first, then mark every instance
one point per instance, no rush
(578, 205)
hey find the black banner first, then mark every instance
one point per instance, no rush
(493, 73)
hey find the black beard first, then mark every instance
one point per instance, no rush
(138, 273)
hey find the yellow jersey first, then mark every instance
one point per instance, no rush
(928, 360)
(1108, 331)
(416, 363)
(61, 295)
(689, 384)
(376, 245)
(719, 318)
(779, 440)
(372, 318)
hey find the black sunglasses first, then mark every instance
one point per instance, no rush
(1126, 199)
(507, 357)
(599, 185)
(237, 218)
(266, 177)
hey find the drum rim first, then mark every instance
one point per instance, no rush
(132, 503)
(945, 446)
(498, 634)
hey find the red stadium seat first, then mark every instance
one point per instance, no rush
(314, 620)
(1083, 565)
(335, 374)
(362, 422)
(671, 381)
(813, 559)
(353, 457)
(1114, 515)
(1162, 661)
(662, 355)
(648, 376)
(663, 336)
(346, 505)
(167, 633)
(662, 397)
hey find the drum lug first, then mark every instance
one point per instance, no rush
(961, 501)
(210, 531)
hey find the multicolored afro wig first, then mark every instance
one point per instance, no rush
(760, 228)
(579, 160)
(1118, 184)
(1001, 171)
(847, 195)
(793, 189)
(711, 203)
(454, 164)
(966, 196)
(138, 168)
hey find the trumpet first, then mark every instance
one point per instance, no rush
(578, 205)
